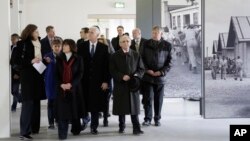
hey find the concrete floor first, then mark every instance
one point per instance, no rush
(181, 121)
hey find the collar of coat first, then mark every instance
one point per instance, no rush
(129, 53)
(153, 43)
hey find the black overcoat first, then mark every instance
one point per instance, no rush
(32, 82)
(96, 72)
(125, 102)
(69, 105)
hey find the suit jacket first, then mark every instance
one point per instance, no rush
(140, 45)
(95, 73)
(13, 71)
(125, 102)
(115, 43)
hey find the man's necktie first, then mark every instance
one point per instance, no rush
(92, 52)
(137, 45)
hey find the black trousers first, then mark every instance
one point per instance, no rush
(51, 111)
(15, 92)
(30, 117)
(134, 120)
(63, 126)
(106, 111)
(94, 120)
(152, 92)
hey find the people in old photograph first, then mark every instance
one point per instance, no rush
(227, 53)
(183, 30)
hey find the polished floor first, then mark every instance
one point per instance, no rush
(180, 122)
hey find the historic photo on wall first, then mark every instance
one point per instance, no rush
(182, 25)
(227, 59)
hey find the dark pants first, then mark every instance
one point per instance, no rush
(134, 120)
(15, 92)
(106, 111)
(86, 118)
(94, 120)
(152, 92)
(51, 111)
(63, 126)
(30, 117)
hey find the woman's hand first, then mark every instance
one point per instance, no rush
(104, 86)
(47, 59)
(35, 60)
(68, 86)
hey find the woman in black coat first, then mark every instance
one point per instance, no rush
(69, 99)
(28, 52)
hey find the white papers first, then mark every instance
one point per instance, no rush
(40, 67)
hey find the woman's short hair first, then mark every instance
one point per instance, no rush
(27, 32)
(71, 43)
(57, 42)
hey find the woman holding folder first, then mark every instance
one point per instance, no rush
(32, 82)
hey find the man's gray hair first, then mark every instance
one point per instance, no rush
(124, 36)
(96, 29)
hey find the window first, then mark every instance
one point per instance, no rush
(174, 21)
(179, 21)
(186, 19)
(195, 16)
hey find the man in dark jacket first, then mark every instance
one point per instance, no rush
(15, 75)
(125, 66)
(84, 36)
(157, 59)
(46, 42)
(96, 75)
(137, 42)
(115, 40)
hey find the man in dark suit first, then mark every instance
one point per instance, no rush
(15, 75)
(84, 36)
(96, 76)
(115, 40)
(137, 42)
(47, 41)
(156, 57)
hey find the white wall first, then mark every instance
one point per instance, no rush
(68, 16)
(4, 69)
(14, 14)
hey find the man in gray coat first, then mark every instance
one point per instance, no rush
(126, 68)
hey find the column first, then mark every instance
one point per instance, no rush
(148, 14)
(5, 70)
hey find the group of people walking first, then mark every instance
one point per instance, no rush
(80, 77)
(186, 45)
(226, 66)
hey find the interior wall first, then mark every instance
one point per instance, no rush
(4, 65)
(67, 16)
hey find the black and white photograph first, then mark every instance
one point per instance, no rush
(182, 28)
(118, 70)
(227, 59)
